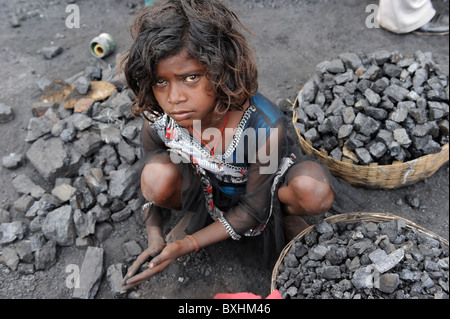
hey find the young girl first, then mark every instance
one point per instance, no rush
(215, 148)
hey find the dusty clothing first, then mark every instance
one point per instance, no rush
(404, 16)
(240, 186)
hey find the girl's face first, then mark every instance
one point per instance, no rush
(183, 91)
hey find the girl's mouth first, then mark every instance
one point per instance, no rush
(181, 116)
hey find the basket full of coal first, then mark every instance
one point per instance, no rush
(363, 256)
(378, 120)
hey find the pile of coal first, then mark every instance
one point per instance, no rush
(366, 260)
(380, 107)
(83, 142)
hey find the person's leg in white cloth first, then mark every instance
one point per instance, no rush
(404, 16)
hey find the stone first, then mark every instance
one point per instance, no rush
(126, 152)
(84, 223)
(348, 115)
(45, 256)
(317, 253)
(132, 250)
(329, 272)
(24, 251)
(67, 135)
(52, 160)
(335, 66)
(38, 127)
(82, 84)
(431, 147)
(84, 105)
(312, 135)
(388, 283)
(292, 291)
(392, 70)
(110, 135)
(90, 274)
(344, 77)
(81, 121)
(399, 115)
(121, 102)
(84, 198)
(122, 215)
(372, 74)
(419, 115)
(88, 144)
(385, 136)
(51, 52)
(323, 227)
(396, 93)
(4, 216)
(58, 226)
(381, 56)
(384, 262)
(24, 185)
(290, 260)
(373, 98)
(380, 85)
(121, 186)
(402, 137)
(378, 150)
(12, 160)
(64, 192)
(366, 125)
(96, 181)
(22, 204)
(10, 258)
(12, 231)
(100, 213)
(48, 202)
(351, 60)
(129, 132)
(363, 156)
(363, 278)
(103, 231)
(114, 277)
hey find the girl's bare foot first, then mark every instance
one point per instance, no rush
(178, 233)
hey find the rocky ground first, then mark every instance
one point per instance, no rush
(290, 39)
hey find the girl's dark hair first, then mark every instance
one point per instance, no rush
(210, 33)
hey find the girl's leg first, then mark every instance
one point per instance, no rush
(307, 193)
(161, 184)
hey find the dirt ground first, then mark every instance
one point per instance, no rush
(290, 38)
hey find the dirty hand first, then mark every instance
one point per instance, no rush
(168, 255)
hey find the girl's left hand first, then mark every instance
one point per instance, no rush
(167, 256)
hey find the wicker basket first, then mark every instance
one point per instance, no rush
(376, 176)
(351, 218)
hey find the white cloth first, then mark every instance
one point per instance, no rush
(403, 16)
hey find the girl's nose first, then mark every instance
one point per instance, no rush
(176, 95)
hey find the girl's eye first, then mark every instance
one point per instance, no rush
(192, 78)
(160, 83)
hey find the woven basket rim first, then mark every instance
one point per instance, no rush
(352, 218)
(436, 161)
